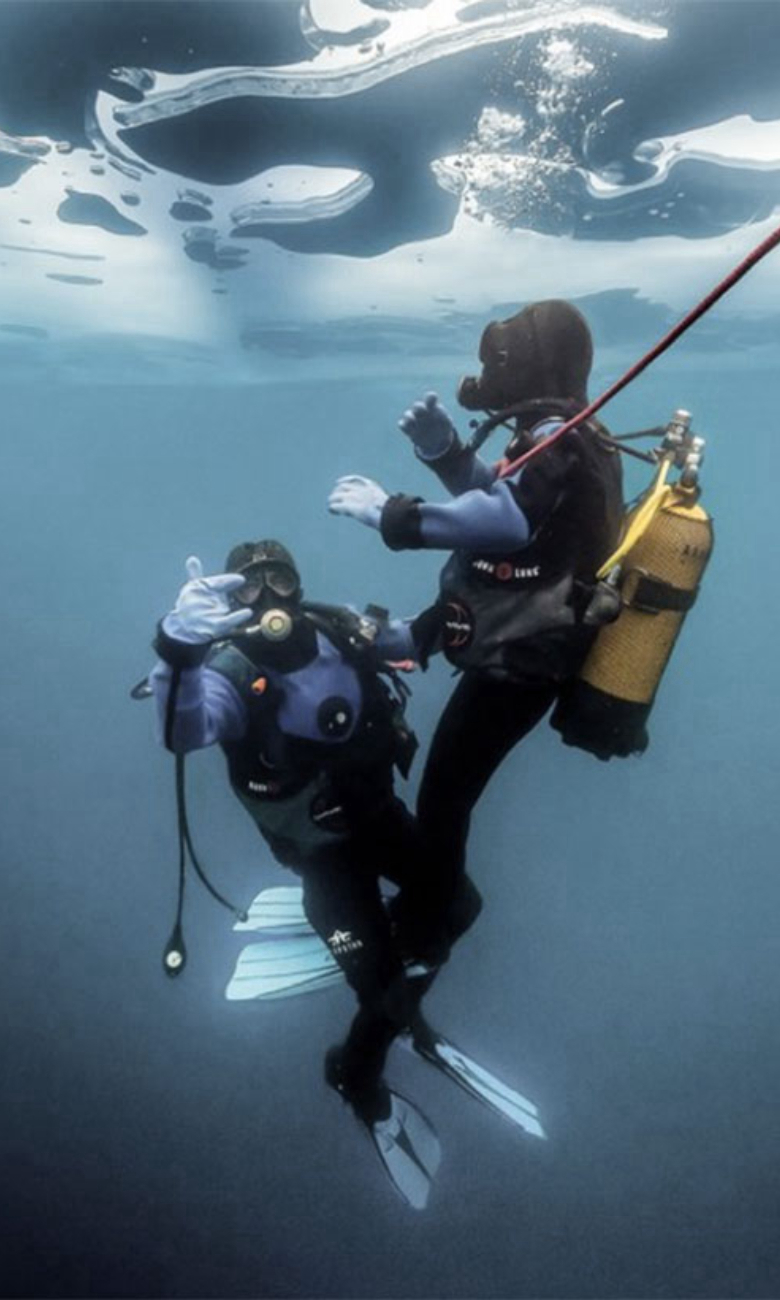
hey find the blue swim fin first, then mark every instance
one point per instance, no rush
(405, 1141)
(289, 959)
(473, 1078)
(277, 911)
(408, 1146)
(282, 968)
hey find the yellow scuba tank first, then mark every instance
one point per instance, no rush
(667, 541)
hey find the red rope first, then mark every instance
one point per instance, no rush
(507, 468)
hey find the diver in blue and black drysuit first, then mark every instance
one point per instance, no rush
(516, 610)
(292, 692)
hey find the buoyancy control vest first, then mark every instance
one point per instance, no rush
(524, 614)
(306, 795)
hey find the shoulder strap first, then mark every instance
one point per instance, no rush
(354, 635)
(225, 658)
(237, 667)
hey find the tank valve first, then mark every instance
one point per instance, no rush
(685, 447)
(677, 432)
(693, 460)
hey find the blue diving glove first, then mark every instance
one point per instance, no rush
(360, 498)
(429, 427)
(202, 612)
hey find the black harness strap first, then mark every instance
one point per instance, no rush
(653, 596)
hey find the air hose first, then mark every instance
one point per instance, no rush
(175, 954)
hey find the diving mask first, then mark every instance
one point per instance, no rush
(278, 579)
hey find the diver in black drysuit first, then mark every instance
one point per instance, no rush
(291, 692)
(516, 609)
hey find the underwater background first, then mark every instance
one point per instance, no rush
(236, 240)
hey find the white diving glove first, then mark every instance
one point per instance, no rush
(429, 427)
(202, 612)
(360, 498)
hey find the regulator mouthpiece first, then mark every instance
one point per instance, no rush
(276, 625)
(469, 394)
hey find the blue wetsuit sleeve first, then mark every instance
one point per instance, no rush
(475, 521)
(503, 515)
(395, 641)
(208, 708)
(459, 469)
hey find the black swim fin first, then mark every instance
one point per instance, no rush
(473, 1078)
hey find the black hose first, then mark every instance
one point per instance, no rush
(185, 839)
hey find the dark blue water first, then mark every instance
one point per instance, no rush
(160, 1141)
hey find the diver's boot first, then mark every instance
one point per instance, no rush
(366, 1092)
(354, 1068)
